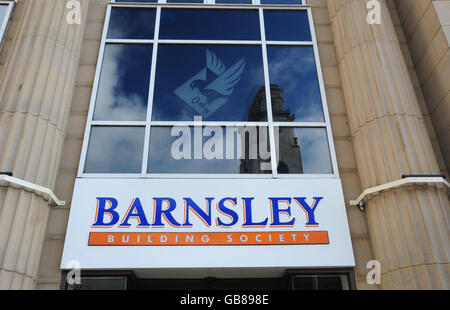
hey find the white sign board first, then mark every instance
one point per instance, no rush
(207, 223)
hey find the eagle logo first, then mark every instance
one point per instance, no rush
(209, 89)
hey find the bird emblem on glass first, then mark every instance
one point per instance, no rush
(209, 89)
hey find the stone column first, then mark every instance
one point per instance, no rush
(409, 226)
(36, 86)
(426, 28)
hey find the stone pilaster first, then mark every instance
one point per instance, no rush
(425, 27)
(36, 86)
(409, 227)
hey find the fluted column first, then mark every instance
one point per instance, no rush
(36, 87)
(409, 227)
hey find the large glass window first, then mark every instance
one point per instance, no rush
(275, 2)
(201, 90)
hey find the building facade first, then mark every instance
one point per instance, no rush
(91, 92)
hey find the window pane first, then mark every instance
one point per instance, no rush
(217, 82)
(304, 283)
(294, 84)
(281, 1)
(304, 150)
(115, 150)
(234, 1)
(132, 23)
(148, 1)
(3, 9)
(331, 282)
(100, 283)
(205, 24)
(222, 150)
(287, 25)
(184, 1)
(124, 83)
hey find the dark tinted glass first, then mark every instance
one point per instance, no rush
(106, 283)
(234, 1)
(281, 2)
(124, 83)
(175, 150)
(304, 150)
(320, 282)
(184, 1)
(331, 282)
(132, 23)
(282, 25)
(216, 82)
(206, 24)
(115, 150)
(295, 85)
(306, 283)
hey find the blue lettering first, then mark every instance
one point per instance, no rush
(102, 210)
(205, 217)
(135, 211)
(275, 206)
(159, 212)
(309, 210)
(228, 212)
(248, 221)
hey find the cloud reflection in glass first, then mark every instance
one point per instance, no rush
(293, 68)
(124, 83)
(315, 154)
(115, 150)
(132, 23)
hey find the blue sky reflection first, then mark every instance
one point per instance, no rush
(294, 70)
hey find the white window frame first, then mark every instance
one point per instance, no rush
(148, 123)
(254, 2)
(5, 22)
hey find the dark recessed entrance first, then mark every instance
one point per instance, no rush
(341, 279)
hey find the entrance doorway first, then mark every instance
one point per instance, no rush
(341, 279)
